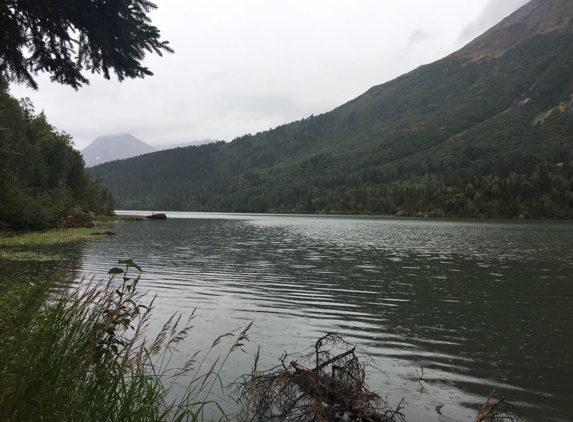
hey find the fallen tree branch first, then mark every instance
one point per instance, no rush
(334, 359)
(334, 390)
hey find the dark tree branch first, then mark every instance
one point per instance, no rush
(63, 37)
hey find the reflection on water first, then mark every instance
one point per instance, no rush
(480, 305)
(21, 263)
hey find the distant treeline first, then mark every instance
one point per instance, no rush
(40, 171)
(517, 188)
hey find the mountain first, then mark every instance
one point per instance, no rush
(485, 132)
(536, 18)
(114, 147)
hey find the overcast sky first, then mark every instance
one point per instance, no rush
(244, 66)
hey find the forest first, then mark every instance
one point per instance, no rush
(40, 170)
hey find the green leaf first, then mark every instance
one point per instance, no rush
(115, 271)
(130, 263)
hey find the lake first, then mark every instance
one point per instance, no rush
(477, 304)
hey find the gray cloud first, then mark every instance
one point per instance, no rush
(245, 66)
(418, 36)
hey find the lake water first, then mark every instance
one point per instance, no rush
(478, 304)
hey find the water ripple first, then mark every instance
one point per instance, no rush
(477, 304)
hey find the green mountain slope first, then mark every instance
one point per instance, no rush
(484, 132)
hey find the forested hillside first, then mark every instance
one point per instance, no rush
(485, 132)
(40, 171)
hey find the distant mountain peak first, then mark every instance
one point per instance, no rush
(114, 147)
(535, 18)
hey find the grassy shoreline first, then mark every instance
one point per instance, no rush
(40, 246)
(57, 236)
(49, 237)
(80, 355)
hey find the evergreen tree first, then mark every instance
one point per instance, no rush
(40, 171)
(62, 37)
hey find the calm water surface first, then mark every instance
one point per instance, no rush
(478, 304)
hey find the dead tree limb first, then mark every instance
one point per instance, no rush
(333, 390)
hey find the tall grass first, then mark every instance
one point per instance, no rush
(82, 355)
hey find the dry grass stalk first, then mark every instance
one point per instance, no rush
(500, 411)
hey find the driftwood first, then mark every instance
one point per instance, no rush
(73, 218)
(358, 410)
(326, 384)
(334, 390)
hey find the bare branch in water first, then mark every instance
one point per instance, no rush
(333, 390)
(500, 411)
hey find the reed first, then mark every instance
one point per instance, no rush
(82, 354)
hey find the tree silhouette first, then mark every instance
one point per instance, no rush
(63, 37)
